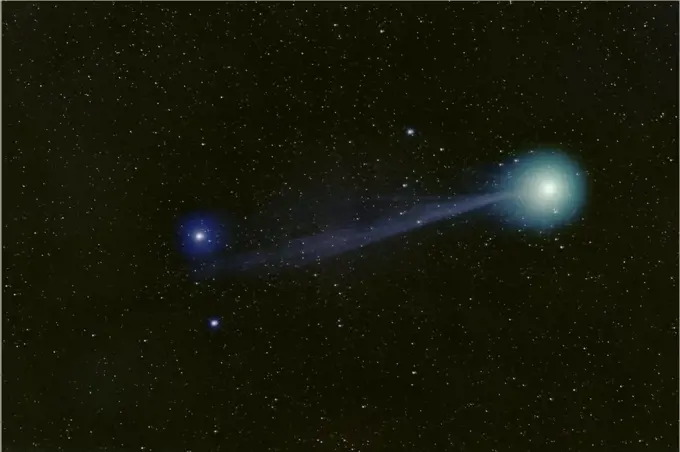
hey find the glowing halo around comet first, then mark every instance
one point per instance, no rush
(549, 189)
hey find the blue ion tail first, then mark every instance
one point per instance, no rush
(307, 250)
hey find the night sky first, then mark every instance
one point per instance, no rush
(123, 123)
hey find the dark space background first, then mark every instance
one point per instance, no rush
(469, 335)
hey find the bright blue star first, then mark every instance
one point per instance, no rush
(201, 235)
(214, 323)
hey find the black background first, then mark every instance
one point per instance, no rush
(467, 335)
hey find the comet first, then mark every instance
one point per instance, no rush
(542, 190)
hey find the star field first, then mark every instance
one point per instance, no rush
(142, 140)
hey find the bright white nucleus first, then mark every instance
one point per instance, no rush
(199, 236)
(549, 189)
